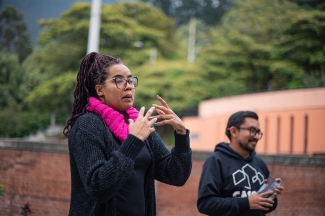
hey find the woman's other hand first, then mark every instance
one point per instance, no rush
(142, 127)
(167, 116)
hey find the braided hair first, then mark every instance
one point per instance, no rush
(92, 71)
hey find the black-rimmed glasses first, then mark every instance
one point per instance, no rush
(253, 132)
(121, 82)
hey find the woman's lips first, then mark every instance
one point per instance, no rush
(127, 98)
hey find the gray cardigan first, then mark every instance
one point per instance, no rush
(98, 170)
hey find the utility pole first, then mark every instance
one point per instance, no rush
(191, 40)
(94, 26)
(153, 56)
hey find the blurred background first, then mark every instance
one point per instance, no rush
(191, 53)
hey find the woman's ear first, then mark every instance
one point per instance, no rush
(99, 90)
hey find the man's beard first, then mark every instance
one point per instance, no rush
(246, 147)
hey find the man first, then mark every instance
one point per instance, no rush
(232, 175)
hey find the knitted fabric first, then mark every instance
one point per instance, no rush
(99, 170)
(113, 119)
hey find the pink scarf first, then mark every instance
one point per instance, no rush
(114, 120)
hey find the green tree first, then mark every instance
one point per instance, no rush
(10, 79)
(64, 42)
(1, 190)
(50, 61)
(262, 20)
(303, 43)
(13, 33)
(127, 23)
(240, 58)
(15, 122)
(178, 82)
(209, 11)
(56, 92)
(233, 64)
(309, 4)
(202, 37)
(122, 25)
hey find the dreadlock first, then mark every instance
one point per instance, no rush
(92, 71)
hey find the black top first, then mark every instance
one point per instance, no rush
(99, 170)
(130, 198)
(227, 180)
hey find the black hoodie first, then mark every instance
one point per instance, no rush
(227, 180)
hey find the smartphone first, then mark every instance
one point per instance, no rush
(271, 185)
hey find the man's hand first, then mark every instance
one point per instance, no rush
(279, 189)
(258, 202)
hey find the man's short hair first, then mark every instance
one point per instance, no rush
(238, 119)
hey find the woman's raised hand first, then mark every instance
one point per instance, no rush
(167, 116)
(142, 127)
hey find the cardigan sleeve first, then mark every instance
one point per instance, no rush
(102, 169)
(172, 167)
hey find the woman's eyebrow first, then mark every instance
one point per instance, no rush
(120, 76)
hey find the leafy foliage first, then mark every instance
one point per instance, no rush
(10, 79)
(17, 123)
(64, 41)
(26, 209)
(177, 82)
(256, 46)
(1, 190)
(262, 45)
(16, 120)
(209, 11)
(126, 23)
(262, 20)
(13, 33)
(309, 4)
(202, 38)
(122, 24)
(303, 43)
(50, 61)
(54, 94)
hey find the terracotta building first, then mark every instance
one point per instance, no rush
(38, 173)
(292, 121)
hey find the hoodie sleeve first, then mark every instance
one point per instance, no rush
(209, 200)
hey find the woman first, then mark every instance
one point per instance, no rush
(115, 153)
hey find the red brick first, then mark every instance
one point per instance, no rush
(43, 180)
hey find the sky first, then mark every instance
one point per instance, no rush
(34, 10)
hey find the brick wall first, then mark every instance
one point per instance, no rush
(40, 178)
(38, 173)
(304, 192)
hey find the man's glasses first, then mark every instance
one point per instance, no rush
(253, 132)
(121, 82)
